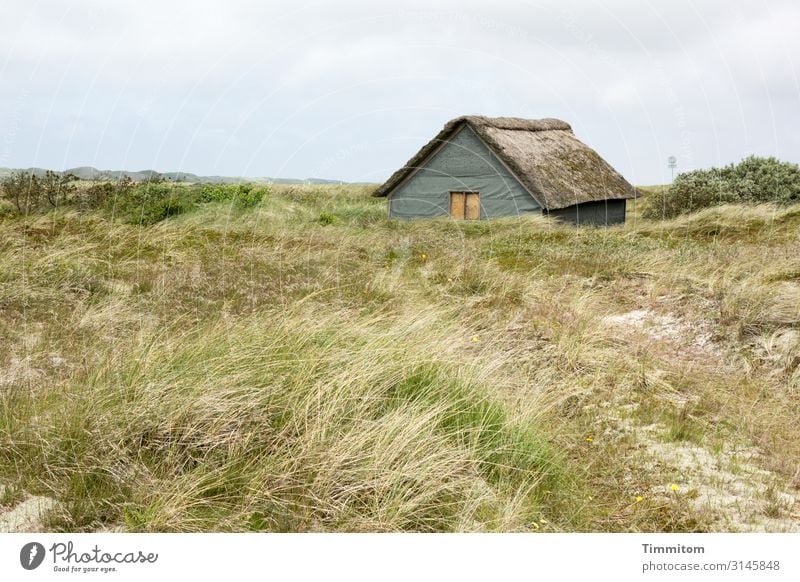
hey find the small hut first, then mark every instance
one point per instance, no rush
(485, 167)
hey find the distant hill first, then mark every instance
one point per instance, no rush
(93, 174)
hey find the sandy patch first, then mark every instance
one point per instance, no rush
(27, 516)
(19, 371)
(666, 328)
(728, 485)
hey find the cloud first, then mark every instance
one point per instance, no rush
(353, 88)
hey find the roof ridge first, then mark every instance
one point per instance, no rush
(518, 123)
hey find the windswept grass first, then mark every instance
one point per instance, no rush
(292, 421)
(305, 364)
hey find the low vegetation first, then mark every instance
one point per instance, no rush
(289, 359)
(143, 203)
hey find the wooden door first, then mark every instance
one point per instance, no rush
(457, 207)
(465, 206)
(472, 206)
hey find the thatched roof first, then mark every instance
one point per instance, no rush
(551, 163)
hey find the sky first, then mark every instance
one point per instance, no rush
(351, 90)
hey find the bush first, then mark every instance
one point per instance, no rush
(29, 193)
(58, 188)
(753, 180)
(138, 203)
(153, 201)
(243, 195)
(7, 209)
(105, 194)
(164, 208)
(326, 218)
(23, 190)
(250, 196)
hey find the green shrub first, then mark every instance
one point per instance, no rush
(164, 208)
(104, 194)
(753, 180)
(215, 193)
(243, 195)
(153, 201)
(97, 195)
(7, 209)
(326, 218)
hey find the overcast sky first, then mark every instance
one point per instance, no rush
(350, 90)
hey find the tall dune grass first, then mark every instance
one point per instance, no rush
(293, 421)
(261, 369)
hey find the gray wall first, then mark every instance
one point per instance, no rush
(464, 163)
(604, 212)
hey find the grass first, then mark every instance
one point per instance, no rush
(306, 364)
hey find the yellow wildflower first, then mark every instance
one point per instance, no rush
(639, 498)
(673, 487)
